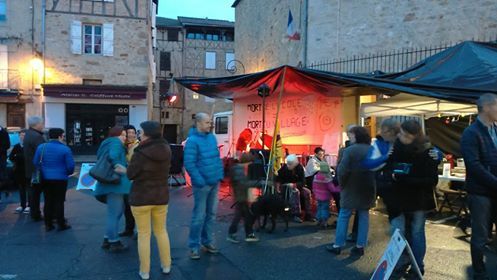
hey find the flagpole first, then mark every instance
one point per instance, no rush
(273, 144)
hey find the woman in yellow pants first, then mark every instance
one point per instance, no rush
(149, 196)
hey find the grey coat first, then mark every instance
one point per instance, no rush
(358, 184)
(32, 140)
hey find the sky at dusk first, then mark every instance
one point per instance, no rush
(212, 9)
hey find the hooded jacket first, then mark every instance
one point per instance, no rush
(149, 170)
(202, 160)
(358, 183)
(117, 155)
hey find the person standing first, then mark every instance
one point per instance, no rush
(32, 139)
(113, 194)
(415, 175)
(480, 158)
(17, 157)
(203, 163)
(241, 185)
(149, 196)
(320, 175)
(55, 161)
(131, 143)
(358, 192)
(4, 147)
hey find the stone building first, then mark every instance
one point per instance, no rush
(84, 65)
(190, 47)
(334, 30)
(19, 69)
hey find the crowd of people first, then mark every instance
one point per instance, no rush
(400, 165)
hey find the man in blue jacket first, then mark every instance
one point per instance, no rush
(203, 164)
(479, 149)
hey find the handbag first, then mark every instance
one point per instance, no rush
(103, 171)
(36, 176)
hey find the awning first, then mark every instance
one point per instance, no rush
(94, 91)
(9, 95)
(407, 105)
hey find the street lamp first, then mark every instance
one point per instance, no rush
(263, 91)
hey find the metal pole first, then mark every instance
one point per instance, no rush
(263, 118)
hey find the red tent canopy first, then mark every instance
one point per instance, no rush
(295, 81)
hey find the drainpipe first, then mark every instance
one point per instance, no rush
(43, 27)
(306, 28)
(338, 31)
(32, 46)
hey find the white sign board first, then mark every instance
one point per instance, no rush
(85, 181)
(392, 254)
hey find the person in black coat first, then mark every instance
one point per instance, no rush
(17, 157)
(415, 175)
(479, 150)
(33, 138)
(4, 146)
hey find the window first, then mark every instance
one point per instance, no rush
(229, 60)
(92, 82)
(190, 36)
(228, 36)
(172, 35)
(221, 126)
(3, 10)
(210, 60)
(165, 61)
(199, 36)
(92, 39)
(164, 86)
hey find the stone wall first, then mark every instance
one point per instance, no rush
(261, 30)
(129, 64)
(339, 29)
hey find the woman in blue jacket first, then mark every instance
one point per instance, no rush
(54, 160)
(113, 194)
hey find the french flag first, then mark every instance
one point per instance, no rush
(292, 33)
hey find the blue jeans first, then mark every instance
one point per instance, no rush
(323, 211)
(417, 237)
(115, 208)
(203, 216)
(481, 223)
(343, 226)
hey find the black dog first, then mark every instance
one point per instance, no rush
(270, 204)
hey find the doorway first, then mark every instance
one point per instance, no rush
(170, 133)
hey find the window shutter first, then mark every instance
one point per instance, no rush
(76, 40)
(210, 60)
(4, 66)
(108, 47)
(229, 58)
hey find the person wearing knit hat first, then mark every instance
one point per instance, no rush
(291, 182)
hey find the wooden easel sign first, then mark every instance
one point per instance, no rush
(391, 256)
